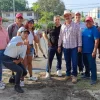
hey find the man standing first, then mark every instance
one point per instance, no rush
(52, 47)
(70, 36)
(13, 28)
(90, 40)
(82, 27)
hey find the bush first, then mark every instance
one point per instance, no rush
(5, 20)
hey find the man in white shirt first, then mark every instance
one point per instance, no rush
(14, 55)
(82, 27)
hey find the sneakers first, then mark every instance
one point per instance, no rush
(22, 83)
(18, 89)
(33, 78)
(74, 79)
(47, 75)
(85, 76)
(67, 78)
(92, 82)
(59, 73)
(2, 85)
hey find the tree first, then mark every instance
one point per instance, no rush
(36, 9)
(7, 5)
(55, 6)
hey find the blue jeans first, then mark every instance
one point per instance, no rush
(70, 55)
(1, 55)
(51, 52)
(90, 65)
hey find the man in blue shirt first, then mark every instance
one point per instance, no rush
(90, 40)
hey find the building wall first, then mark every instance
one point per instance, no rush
(26, 15)
(95, 13)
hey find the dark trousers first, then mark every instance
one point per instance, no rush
(1, 55)
(90, 65)
(70, 55)
(80, 61)
(19, 69)
(51, 52)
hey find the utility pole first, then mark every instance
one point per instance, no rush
(14, 10)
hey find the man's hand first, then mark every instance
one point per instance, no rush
(26, 42)
(19, 44)
(16, 61)
(94, 54)
(49, 44)
(59, 49)
(79, 49)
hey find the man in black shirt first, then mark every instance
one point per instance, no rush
(53, 36)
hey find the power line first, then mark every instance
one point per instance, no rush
(83, 8)
(82, 5)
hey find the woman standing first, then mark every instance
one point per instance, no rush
(38, 44)
(30, 51)
(4, 38)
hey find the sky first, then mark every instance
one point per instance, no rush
(78, 5)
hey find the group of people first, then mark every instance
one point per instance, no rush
(77, 40)
(16, 50)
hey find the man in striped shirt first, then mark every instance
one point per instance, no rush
(70, 36)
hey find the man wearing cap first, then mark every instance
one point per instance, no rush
(4, 39)
(14, 55)
(90, 40)
(13, 28)
(70, 36)
(82, 27)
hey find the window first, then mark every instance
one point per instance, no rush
(7, 15)
(29, 14)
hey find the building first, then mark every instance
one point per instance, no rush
(26, 14)
(95, 13)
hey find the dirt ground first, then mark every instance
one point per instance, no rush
(56, 88)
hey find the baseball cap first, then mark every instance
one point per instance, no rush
(19, 15)
(23, 29)
(77, 13)
(30, 20)
(89, 19)
(0, 18)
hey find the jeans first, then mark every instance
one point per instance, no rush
(18, 68)
(51, 52)
(90, 65)
(80, 61)
(1, 55)
(70, 55)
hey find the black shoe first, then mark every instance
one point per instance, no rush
(18, 89)
(44, 56)
(99, 56)
(85, 76)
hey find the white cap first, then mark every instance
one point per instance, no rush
(77, 13)
(67, 12)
